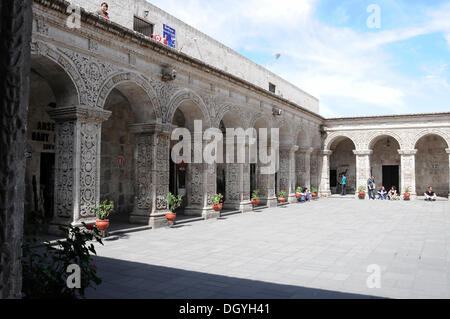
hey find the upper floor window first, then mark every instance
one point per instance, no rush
(272, 87)
(142, 26)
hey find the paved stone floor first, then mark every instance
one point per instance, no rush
(314, 250)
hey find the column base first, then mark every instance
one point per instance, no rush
(244, 206)
(140, 217)
(193, 211)
(209, 213)
(53, 227)
(292, 199)
(272, 202)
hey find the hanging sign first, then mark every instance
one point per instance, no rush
(169, 35)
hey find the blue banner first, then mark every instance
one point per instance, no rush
(169, 34)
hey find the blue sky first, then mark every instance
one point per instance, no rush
(328, 50)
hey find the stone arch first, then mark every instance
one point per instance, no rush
(303, 137)
(426, 132)
(222, 112)
(258, 116)
(185, 95)
(129, 77)
(374, 138)
(39, 53)
(335, 136)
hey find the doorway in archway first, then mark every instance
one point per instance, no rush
(391, 177)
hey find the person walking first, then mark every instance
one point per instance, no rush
(344, 185)
(371, 186)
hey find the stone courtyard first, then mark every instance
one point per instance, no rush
(320, 249)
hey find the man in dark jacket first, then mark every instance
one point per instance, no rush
(103, 11)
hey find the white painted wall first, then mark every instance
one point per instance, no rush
(204, 48)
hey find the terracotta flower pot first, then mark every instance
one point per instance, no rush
(102, 224)
(171, 217)
(255, 201)
(362, 195)
(282, 199)
(407, 196)
(217, 207)
(297, 195)
(314, 194)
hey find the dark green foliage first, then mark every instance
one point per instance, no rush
(44, 266)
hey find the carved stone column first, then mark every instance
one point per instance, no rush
(200, 187)
(316, 168)
(408, 171)
(151, 173)
(77, 164)
(324, 188)
(287, 171)
(303, 167)
(15, 37)
(448, 152)
(362, 169)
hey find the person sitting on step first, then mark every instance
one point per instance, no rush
(393, 195)
(382, 194)
(430, 195)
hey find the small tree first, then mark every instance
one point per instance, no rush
(103, 210)
(299, 189)
(282, 194)
(174, 201)
(218, 199)
(255, 194)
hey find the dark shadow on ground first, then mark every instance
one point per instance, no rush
(131, 280)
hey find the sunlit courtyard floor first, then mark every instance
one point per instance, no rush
(322, 249)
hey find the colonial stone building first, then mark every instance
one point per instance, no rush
(104, 102)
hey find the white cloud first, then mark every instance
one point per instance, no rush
(333, 63)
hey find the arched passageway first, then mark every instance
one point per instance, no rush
(385, 162)
(342, 161)
(432, 165)
(50, 88)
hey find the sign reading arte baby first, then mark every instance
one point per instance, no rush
(44, 133)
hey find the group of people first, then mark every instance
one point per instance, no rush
(382, 193)
(305, 195)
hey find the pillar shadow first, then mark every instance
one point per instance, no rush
(132, 280)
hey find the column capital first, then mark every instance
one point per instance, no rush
(362, 152)
(289, 148)
(305, 150)
(79, 113)
(151, 128)
(326, 152)
(447, 150)
(407, 152)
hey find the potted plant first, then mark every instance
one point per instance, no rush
(217, 202)
(102, 212)
(282, 196)
(314, 192)
(298, 190)
(255, 197)
(362, 192)
(174, 202)
(407, 195)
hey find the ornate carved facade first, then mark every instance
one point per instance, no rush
(87, 81)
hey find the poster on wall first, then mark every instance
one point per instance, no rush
(169, 35)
